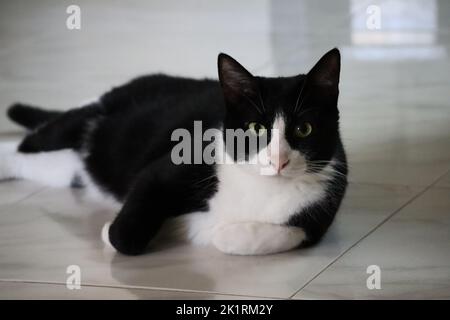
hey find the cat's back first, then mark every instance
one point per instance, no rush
(158, 92)
(144, 112)
(139, 118)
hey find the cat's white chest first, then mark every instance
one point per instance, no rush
(245, 197)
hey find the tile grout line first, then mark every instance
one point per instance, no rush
(128, 287)
(419, 194)
(28, 196)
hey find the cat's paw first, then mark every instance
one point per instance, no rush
(256, 238)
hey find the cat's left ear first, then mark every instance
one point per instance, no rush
(237, 83)
(326, 71)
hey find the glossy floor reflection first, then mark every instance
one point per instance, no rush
(395, 111)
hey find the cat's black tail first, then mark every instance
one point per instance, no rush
(31, 117)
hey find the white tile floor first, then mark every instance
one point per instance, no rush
(395, 107)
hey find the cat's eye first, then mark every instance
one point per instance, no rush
(257, 128)
(303, 130)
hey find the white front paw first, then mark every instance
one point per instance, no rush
(256, 238)
(230, 239)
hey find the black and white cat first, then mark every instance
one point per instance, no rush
(121, 146)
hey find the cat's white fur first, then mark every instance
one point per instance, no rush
(53, 169)
(247, 215)
(250, 238)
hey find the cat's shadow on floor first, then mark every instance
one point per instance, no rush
(140, 271)
(93, 220)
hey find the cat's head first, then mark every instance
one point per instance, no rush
(295, 120)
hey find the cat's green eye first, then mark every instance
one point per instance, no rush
(257, 128)
(303, 130)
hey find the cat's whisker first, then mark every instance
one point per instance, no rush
(262, 101)
(253, 103)
(298, 98)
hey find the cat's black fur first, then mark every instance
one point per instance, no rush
(126, 137)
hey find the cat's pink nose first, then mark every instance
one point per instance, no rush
(279, 163)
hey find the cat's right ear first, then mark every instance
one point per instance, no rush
(326, 71)
(237, 83)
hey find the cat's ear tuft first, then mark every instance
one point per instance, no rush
(235, 80)
(327, 69)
